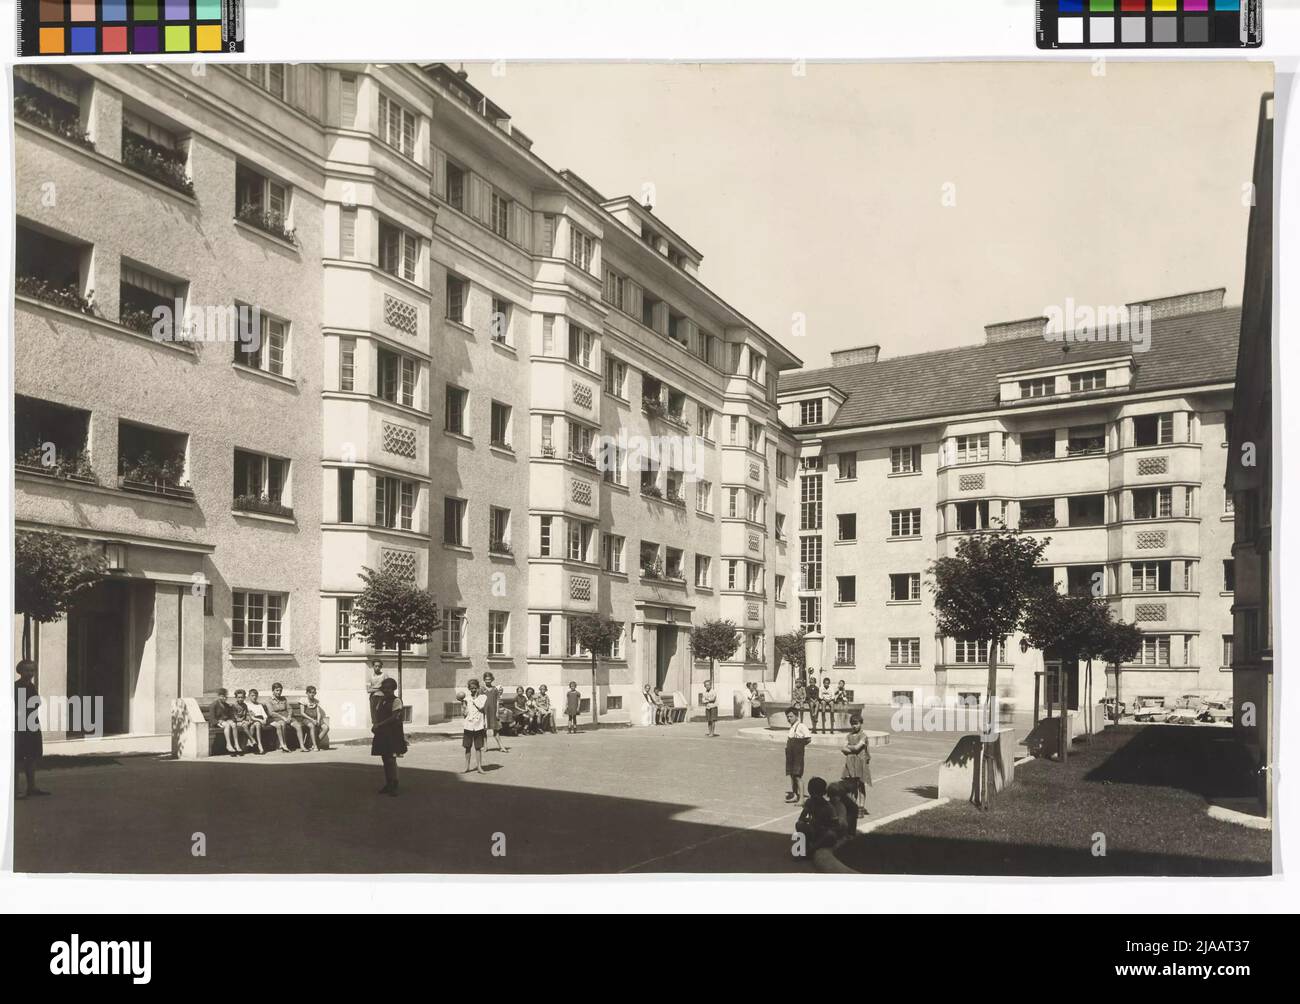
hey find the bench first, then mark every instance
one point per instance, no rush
(216, 743)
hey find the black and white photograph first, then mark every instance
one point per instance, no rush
(787, 468)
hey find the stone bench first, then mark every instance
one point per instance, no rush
(196, 735)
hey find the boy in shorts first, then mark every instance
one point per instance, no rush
(475, 728)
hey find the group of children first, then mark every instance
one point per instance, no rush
(821, 703)
(831, 810)
(247, 717)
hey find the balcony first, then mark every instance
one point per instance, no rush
(49, 113)
(152, 462)
(50, 440)
(157, 162)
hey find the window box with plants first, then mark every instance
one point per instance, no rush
(69, 467)
(651, 570)
(153, 476)
(268, 221)
(51, 115)
(653, 407)
(264, 505)
(652, 491)
(67, 297)
(157, 162)
(500, 547)
(675, 499)
(579, 457)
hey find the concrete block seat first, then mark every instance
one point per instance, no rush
(195, 734)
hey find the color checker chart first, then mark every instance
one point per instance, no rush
(129, 27)
(1149, 24)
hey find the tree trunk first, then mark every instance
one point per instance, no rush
(983, 766)
(595, 713)
(1091, 723)
(1117, 693)
(399, 673)
(27, 636)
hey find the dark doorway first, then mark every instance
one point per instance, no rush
(1058, 670)
(665, 649)
(97, 663)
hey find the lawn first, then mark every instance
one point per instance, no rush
(1138, 793)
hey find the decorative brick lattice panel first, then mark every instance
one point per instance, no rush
(1149, 612)
(401, 562)
(753, 542)
(1148, 540)
(579, 588)
(754, 472)
(752, 612)
(971, 482)
(401, 315)
(400, 440)
(580, 491)
(581, 395)
(1153, 465)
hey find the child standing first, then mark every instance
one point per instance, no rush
(572, 705)
(711, 708)
(388, 741)
(796, 741)
(857, 762)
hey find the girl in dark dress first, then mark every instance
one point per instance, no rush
(389, 742)
(28, 745)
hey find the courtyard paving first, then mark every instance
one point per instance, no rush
(665, 799)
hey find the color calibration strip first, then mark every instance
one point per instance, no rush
(1150, 24)
(123, 27)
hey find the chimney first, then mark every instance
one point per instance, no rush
(1183, 303)
(862, 354)
(1008, 331)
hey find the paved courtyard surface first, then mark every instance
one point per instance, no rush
(665, 799)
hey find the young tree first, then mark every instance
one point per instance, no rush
(1070, 625)
(597, 633)
(714, 640)
(1123, 642)
(980, 593)
(392, 611)
(50, 571)
(789, 648)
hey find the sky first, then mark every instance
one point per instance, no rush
(910, 204)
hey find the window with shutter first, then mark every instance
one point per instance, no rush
(347, 233)
(347, 99)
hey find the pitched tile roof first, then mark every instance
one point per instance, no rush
(1184, 351)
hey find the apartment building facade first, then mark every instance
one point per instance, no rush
(1116, 455)
(444, 358)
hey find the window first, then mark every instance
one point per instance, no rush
(499, 214)
(501, 424)
(614, 460)
(905, 587)
(498, 632)
(578, 540)
(347, 363)
(456, 408)
(396, 126)
(545, 536)
(260, 482)
(397, 374)
(457, 295)
(673, 564)
(1154, 651)
(782, 466)
(1089, 580)
(343, 624)
(44, 97)
(1153, 430)
(733, 573)
(1037, 514)
(1038, 445)
(848, 465)
(453, 631)
(457, 177)
(755, 437)
(778, 588)
(1227, 650)
(704, 422)
(845, 651)
(263, 341)
(581, 343)
(905, 522)
(968, 651)
(848, 526)
(733, 502)
(615, 291)
(262, 202)
(498, 530)
(973, 449)
(544, 634)
(581, 438)
(846, 589)
(1038, 387)
(814, 463)
(904, 459)
(901, 699)
(1086, 440)
(904, 651)
(1087, 510)
(153, 461)
(257, 620)
(1229, 577)
(778, 526)
(499, 326)
(810, 412)
(1153, 503)
(581, 248)
(573, 647)
(615, 377)
(346, 479)
(810, 502)
(704, 496)
(649, 560)
(1088, 380)
(733, 431)
(703, 568)
(1151, 576)
(141, 293)
(271, 77)
(810, 563)
(394, 503)
(52, 269)
(611, 552)
(810, 613)
(398, 251)
(453, 522)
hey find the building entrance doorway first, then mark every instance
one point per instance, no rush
(665, 649)
(97, 656)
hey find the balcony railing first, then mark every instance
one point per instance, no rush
(163, 488)
(262, 504)
(582, 457)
